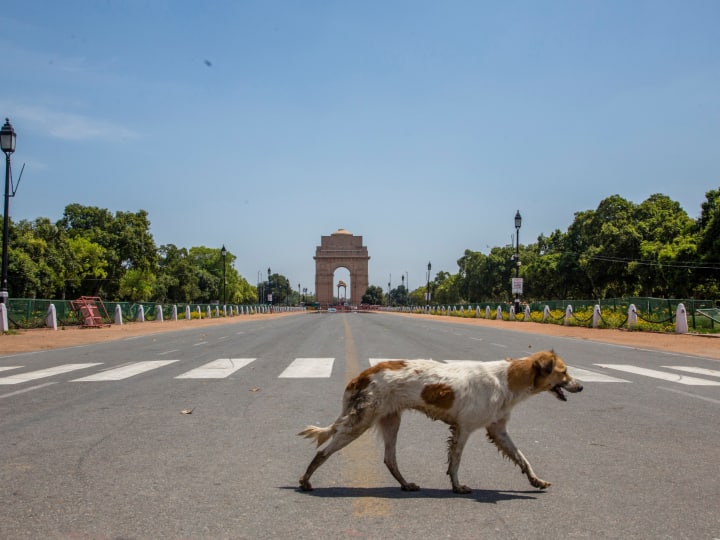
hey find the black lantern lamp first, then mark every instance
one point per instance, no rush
(7, 143)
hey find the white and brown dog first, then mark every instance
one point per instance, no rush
(465, 395)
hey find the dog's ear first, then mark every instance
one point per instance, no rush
(544, 363)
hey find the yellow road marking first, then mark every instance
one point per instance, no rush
(362, 454)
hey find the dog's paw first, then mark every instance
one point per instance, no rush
(410, 487)
(305, 485)
(540, 484)
(464, 490)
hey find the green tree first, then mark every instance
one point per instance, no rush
(86, 267)
(708, 249)
(125, 238)
(177, 281)
(373, 296)
(136, 285)
(399, 296)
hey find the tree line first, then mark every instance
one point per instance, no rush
(619, 249)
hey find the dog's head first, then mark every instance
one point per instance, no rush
(551, 375)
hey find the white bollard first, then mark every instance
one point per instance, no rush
(173, 316)
(141, 314)
(52, 317)
(511, 313)
(208, 312)
(527, 313)
(118, 314)
(158, 313)
(498, 315)
(681, 323)
(596, 316)
(568, 314)
(546, 313)
(187, 312)
(3, 318)
(632, 316)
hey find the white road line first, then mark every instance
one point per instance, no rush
(124, 372)
(42, 373)
(306, 368)
(688, 394)
(7, 368)
(29, 389)
(499, 345)
(591, 376)
(476, 338)
(672, 377)
(217, 369)
(696, 370)
(200, 343)
(168, 352)
(376, 361)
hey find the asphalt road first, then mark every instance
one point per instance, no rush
(100, 447)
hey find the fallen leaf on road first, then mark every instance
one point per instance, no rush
(187, 411)
(255, 389)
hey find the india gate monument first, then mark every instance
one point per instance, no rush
(341, 250)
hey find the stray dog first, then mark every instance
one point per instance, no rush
(465, 395)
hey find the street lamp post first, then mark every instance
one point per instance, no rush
(427, 290)
(223, 252)
(7, 143)
(518, 223)
(269, 294)
(260, 288)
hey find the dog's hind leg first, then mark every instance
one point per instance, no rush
(456, 444)
(498, 434)
(389, 426)
(347, 429)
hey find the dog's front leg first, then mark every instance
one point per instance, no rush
(389, 426)
(456, 444)
(498, 434)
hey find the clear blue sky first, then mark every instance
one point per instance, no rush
(420, 125)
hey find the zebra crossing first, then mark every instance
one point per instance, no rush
(321, 368)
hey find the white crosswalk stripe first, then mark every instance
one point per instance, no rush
(217, 369)
(376, 361)
(306, 368)
(696, 370)
(585, 375)
(42, 373)
(314, 368)
(8, 368)
(663, 375)
(124, 372)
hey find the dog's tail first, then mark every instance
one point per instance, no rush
(320, 434)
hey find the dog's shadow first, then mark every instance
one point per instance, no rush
(479, 495)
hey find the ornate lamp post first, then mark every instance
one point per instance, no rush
(7, 143)
(518, 223)
(269, 295)
(223, 252)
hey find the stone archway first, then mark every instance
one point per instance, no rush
(341, 249)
